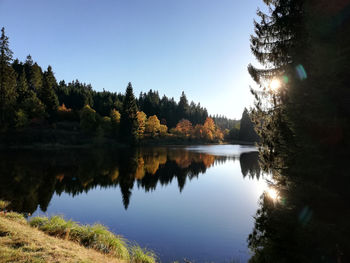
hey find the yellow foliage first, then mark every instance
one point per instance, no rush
(115, 116)
(141, 120)
(163, 129)
(152, 125)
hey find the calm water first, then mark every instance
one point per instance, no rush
(194, 203)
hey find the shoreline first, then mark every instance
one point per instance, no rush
(42, 239)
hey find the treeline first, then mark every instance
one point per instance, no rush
(31, 97)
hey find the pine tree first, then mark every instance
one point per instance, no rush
(129, 123)
(7, 83)
(36, 78)
(247, 132)
(22, 87)
(278, 44)
(183, 107)
(47, 93)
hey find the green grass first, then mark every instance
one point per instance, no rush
(97, 237)
(139, 255)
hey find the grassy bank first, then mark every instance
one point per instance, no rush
(54, 239)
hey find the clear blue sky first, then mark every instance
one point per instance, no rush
(197, 46)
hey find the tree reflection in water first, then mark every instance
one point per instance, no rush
(30, 178)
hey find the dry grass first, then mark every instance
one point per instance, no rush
(21, 243)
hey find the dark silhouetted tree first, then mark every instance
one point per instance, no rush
(246, 131)
(129, 124)
(8, 93)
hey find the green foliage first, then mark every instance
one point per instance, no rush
(47, 92)
(246, 131)
(168, 111)
(106, 124)
(115, 122)
(88, 121)
(140, 255)
(129, 123)
(21, 119)
(33, 106)
(8, 92)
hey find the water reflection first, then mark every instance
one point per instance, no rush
(30, 178)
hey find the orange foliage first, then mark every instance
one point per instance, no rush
(63, 108)
(184, 127)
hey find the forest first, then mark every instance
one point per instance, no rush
(37, 108)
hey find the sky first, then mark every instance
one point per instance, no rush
(200, 47)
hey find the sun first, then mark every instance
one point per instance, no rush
(272, 193)
(275, 84)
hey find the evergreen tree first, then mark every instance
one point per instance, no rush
(7, 83)
(35, 78)
(279, 45)
(129, 123)
(304, 127)
(28, 64)
(28, 103)
(183, 107)
(33, 106)
(247, 132)
(47, 93)
(22, 87)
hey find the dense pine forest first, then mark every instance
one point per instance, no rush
(302, 117)
(33, 102)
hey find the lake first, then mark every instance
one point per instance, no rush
(195, 203)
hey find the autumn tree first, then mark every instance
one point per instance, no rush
(184, 128)
(152, 125)
(163, 129)
(141, 120)
(198, 132)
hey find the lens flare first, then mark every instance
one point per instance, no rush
(275, 84)
(301, 72)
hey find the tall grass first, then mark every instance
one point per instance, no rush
(93, 236)
(139, 255)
